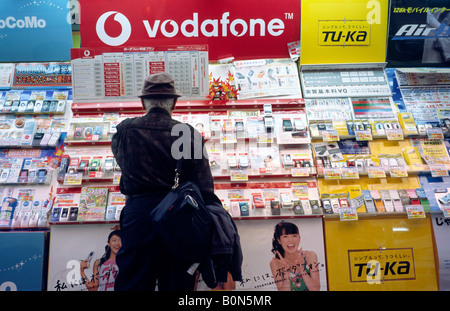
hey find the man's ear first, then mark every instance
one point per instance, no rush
(174, 103)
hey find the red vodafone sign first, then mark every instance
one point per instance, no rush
(242, 29)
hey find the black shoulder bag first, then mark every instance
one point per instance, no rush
(182, 220)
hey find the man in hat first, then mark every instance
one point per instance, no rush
(144, 150)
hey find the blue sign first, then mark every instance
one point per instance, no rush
(22, 261)
(35, 31)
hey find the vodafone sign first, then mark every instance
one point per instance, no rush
(243, 29)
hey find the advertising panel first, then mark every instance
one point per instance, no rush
(294, 261)
(441, 229)
(22, 261)
(419, 33)
(388, 254)
(343, 32)
(35, 31)
(77, 255)
(243, 30)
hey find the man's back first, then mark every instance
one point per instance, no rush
(143, 148)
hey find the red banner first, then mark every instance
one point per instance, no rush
(248, 29)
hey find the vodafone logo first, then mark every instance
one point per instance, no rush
(223, 26)
(122, 20)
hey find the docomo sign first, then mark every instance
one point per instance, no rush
(26, 22)
(250, 29)
(208, 28)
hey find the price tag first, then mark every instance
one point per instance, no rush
(347, 213)
(435, 133)
(446, 210)
(71, 179)
(332, 173)
(438, 170)
(415, 211)
(238, 175)
(376, 172)
(398, 171)
(330, 135)
(364, 135)
(300, 171)
(264, 138)
(394, 134)
(116, 178)
(349, 173)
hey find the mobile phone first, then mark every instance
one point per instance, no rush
(31, 175)
(45, 139)
(258, 200)
(287, 125)
(94, 165)
(23, 176)
(54, 139)
(37, 138)
(243, 161)
(78, 133)
(108, 165)
(98, 130)
(4, 175)
(41, 175)
(82, 166)
(267, 110)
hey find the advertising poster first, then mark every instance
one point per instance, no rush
(76, 254)
(441, 228)
(343, 32)
(388, 254)
(40, 75)
(22, 261)
(244, 30)
(301, 266)
(418, 33)
(35, 31)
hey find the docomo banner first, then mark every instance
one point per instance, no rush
(243, 30)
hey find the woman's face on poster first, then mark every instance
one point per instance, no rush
(115, 243)
(289, 242)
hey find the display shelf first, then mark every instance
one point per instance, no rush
(24, 229)
(414, 170)
(83, 222)
(136, 106)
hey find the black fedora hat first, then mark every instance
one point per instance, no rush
(159, 85)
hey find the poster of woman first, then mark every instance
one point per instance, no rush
(280, 255)
(83, 260)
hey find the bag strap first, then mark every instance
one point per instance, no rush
(178, 173)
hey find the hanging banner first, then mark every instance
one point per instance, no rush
(419, 33)
(243, 30)
(22, 261)
(441, 228)
(35, 31)
(391, 254)
(343, 32)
